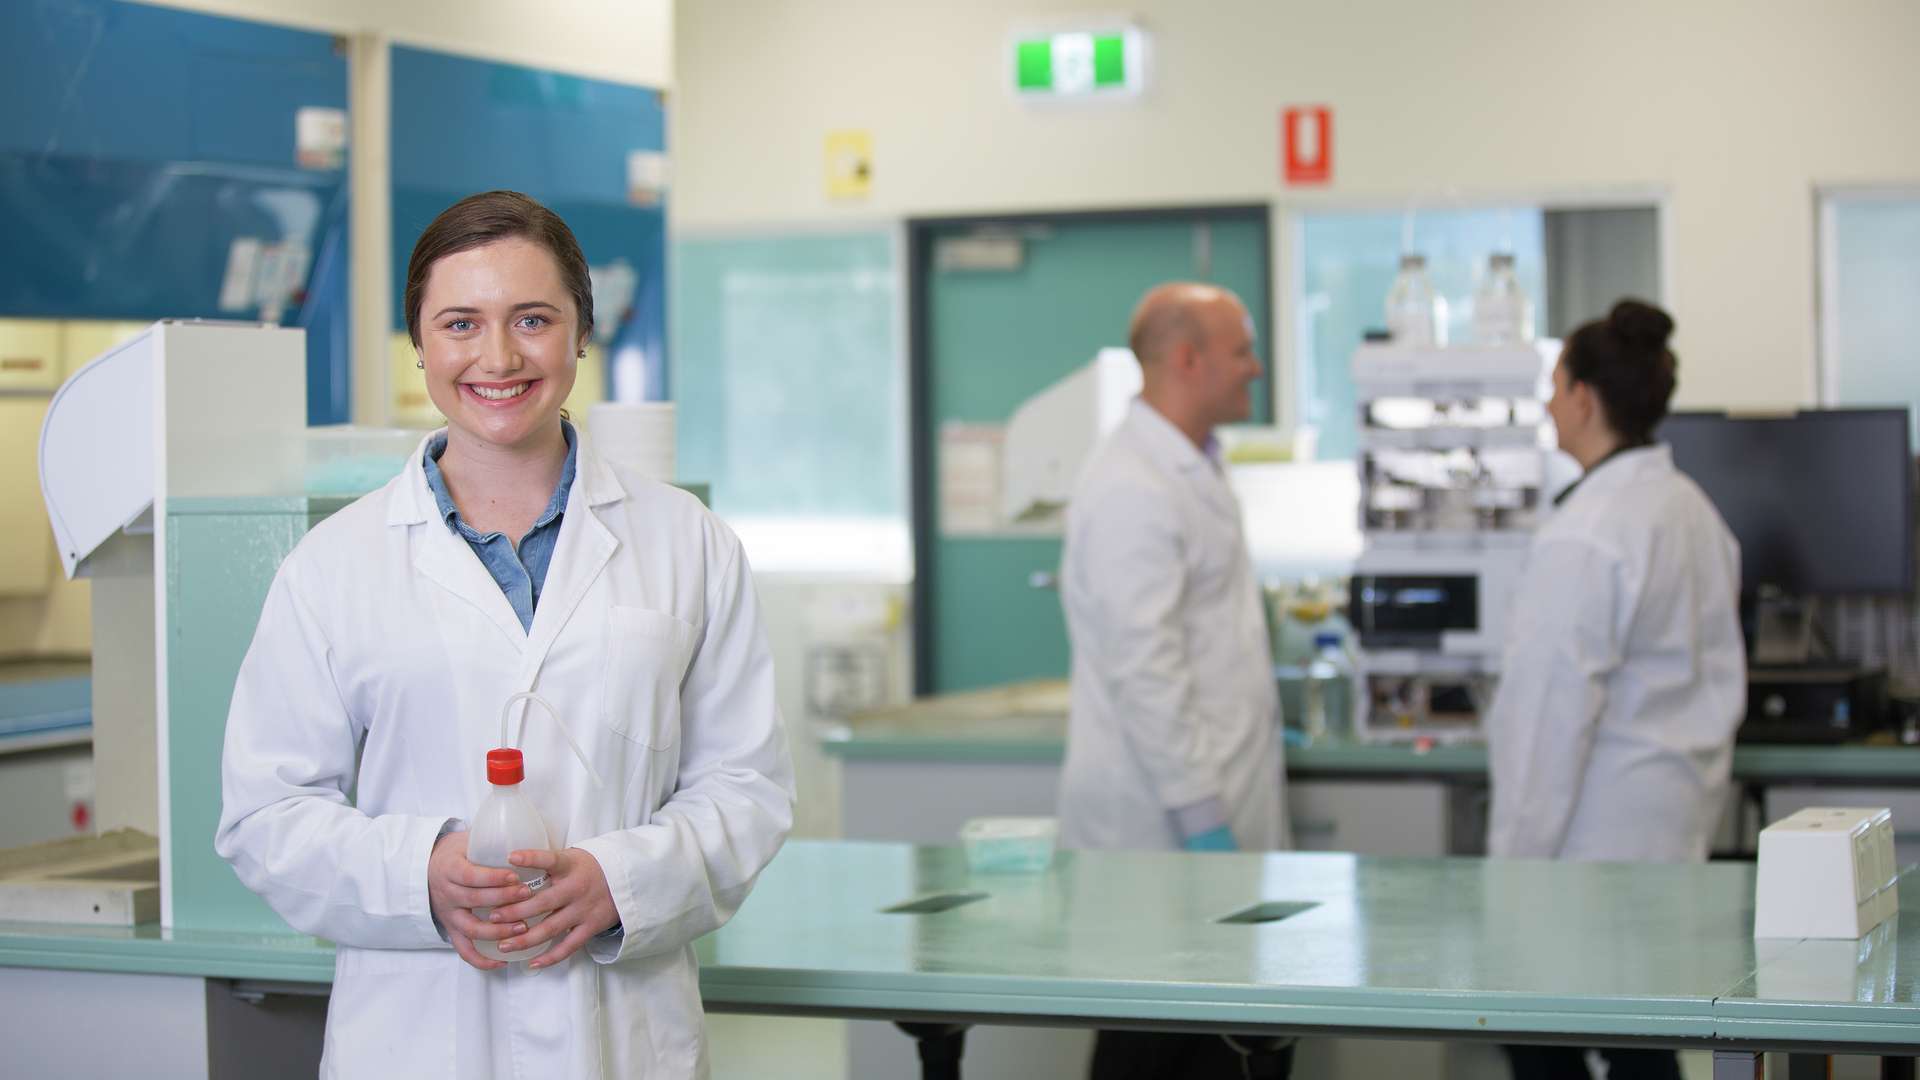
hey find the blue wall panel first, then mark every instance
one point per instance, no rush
(106, 79)
(141, 240)
(138, 143)
(461, 126)
(471, 125)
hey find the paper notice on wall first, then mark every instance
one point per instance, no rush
(647, 176)
(970, 477)
(280, 279)
(263, 276)
(613, 285)
(849, 164)
(76, 780)
(320, 137)
(243, 261)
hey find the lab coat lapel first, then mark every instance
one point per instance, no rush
(1171, 450)
(585, 547)
(1211, 481)
(445, 559)
(440, 555)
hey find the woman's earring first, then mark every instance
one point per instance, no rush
(581, 355)
(420, 362)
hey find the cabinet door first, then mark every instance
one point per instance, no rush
(1369, 817)
(29, 355)
(26, 539)
(84, 340)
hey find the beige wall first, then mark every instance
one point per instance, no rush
(626, 41)
(1734, 110)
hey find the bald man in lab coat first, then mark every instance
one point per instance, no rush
(1173, 735)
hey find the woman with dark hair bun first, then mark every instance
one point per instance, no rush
(1611, 736)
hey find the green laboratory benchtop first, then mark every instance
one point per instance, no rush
(1027, 724)
(1863, 992)
(1444, 947)
(150, 950)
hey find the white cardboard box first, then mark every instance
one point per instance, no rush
(1825, 872)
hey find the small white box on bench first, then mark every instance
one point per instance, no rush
(1826, 872)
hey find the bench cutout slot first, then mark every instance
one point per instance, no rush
(1269, 911)
(934, 903)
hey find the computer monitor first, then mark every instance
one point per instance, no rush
(1821, 502)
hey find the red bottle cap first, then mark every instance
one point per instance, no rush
(505, 767)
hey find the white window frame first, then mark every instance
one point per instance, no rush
(1826, 374)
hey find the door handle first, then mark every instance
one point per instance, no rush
(1043, 579)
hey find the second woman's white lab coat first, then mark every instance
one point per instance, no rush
(1173, 698)
(383, 630)
(1624, 677)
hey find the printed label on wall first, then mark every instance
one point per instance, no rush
(646, 177)
(320, 137)
(849, 164)
(265, 276)
(970, 477)
(236, 289)
(971, 481)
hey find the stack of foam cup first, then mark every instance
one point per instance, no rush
(636, 434)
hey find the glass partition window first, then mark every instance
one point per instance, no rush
(791, 395)
(1870, 299)
(1346, 265)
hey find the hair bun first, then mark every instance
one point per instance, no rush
(1640, 324)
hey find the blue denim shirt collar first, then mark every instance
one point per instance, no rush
(449, 513)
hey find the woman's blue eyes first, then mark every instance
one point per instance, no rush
(528, 322)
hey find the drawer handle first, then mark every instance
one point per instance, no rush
(22, 363)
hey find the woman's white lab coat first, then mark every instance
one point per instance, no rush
(383, 628)
(1173, 697)
(1624, 678)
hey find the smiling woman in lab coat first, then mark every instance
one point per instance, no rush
(507, 556)
(1611, 735)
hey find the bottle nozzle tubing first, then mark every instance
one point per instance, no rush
(528, 695)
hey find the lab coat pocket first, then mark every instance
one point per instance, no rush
(647, 656)
(372, 990)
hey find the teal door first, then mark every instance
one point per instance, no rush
(990, 333)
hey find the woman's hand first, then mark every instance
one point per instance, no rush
(455, 887)
(576, 902)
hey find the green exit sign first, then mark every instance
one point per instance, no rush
(1080, 63)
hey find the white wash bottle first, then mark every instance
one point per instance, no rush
(507, 822)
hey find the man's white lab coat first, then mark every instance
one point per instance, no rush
(1173, 696)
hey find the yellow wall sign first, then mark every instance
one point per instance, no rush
(849, 164)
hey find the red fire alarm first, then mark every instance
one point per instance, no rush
(1306, 141)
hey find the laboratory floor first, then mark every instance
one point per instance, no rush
(750, 1047)
(753, 1047)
